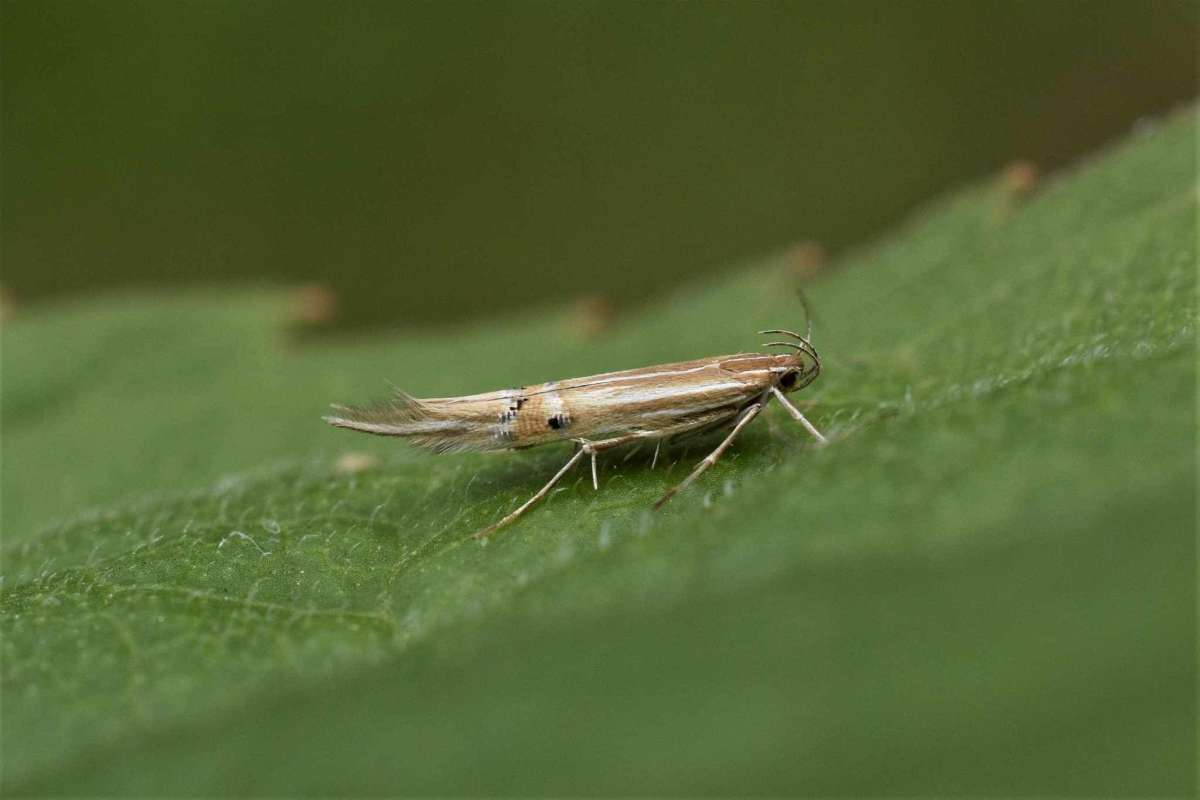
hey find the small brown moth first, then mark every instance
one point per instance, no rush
(601, 412)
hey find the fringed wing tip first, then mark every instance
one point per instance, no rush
(420, 422)
(341, 416)
(399, 416)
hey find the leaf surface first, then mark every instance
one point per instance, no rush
(985, 584)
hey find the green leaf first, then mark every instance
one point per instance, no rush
(985, 583)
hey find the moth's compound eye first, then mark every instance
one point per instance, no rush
(788, 380)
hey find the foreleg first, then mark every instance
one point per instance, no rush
(796, 415)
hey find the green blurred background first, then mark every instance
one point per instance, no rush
(435, 161)
(986, 586)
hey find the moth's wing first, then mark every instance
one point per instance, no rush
(393, 417)
(715, 423)
(632, 377)
(648, 399)
(443, 425)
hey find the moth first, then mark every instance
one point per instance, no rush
(600, 412)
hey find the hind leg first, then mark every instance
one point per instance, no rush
(585, 448)
(490, 529)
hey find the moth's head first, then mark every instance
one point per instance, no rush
(797, 370)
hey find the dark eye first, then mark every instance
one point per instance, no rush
(788, 380)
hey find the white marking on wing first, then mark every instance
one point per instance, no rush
(552, 405)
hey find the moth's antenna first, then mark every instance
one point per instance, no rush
(807, 315)
(808, 320)
(803, 347)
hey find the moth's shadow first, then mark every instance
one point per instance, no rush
(481, 489)
(528, 472)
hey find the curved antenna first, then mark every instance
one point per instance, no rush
(807, 337)
(807, 315)
(803, 347)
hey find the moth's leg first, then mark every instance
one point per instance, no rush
(489, 530)
(586, 447)
(616, 441)
(747, 415)
(657, 445)
(592, 448)
(796, 415)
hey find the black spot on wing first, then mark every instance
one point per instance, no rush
(559, 421)
(515, 401)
